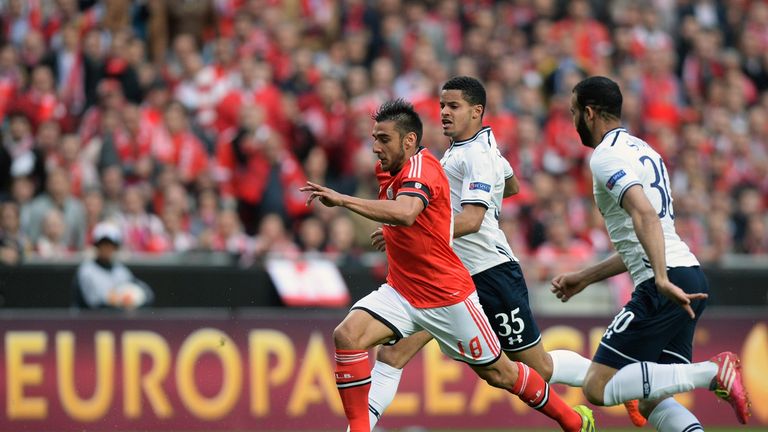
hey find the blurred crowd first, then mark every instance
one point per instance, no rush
(192, 123)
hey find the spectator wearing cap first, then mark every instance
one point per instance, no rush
(103, 282)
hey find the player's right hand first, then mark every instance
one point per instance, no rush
(567, 285)
(677, 295)
(377, 240)
(327, 196)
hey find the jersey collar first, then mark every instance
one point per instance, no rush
(617, 131)
(474, 137)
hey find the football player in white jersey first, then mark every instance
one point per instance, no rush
(479, 177)
(646, 351)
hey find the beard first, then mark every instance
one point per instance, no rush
(398, 160)
(584, 133)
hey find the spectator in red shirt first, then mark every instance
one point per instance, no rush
(591, 39)
(179, 147)
(82, 173)
(256, 170)
(40, 103)
(201, 90)
(498, 117)
(11, 78)
(327, 119)
(252, 85)
(661, 90)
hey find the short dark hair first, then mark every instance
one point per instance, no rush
(601, 93)
(402, 113)
(471, 89)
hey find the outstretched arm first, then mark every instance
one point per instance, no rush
(568, 285)
(401, 211)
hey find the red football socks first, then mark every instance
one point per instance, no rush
(531, 388)
(353, 379)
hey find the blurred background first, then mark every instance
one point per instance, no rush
(190, 125)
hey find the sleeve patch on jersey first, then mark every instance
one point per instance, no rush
(418, 186)
(614, 178)
(481, 186)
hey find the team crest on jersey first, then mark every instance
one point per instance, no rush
(614, 178)
(390, 194)
(480, 186)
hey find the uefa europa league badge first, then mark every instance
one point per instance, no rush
(390, 194)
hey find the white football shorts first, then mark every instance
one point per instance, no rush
(461, 330)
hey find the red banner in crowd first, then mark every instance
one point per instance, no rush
(274, 372)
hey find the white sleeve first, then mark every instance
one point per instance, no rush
(480, 168)
(506, 167)
(613, 173)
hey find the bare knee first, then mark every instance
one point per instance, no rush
(594, 391)
(391, 356)
(598, 376)
(345, 337)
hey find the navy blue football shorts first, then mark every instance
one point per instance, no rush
(504, 297)
(650, 327)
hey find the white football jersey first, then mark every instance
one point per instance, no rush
(620, 161)
(477, 172)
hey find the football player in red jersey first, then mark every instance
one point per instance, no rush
(427, 286)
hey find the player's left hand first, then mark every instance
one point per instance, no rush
(377, 240)
(327, 196)
(677, 295)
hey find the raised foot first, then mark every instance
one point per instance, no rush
(728, 385)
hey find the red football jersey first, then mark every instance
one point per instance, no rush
(422, 265)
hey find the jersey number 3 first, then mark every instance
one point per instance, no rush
(511, 324)
(660, 184)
